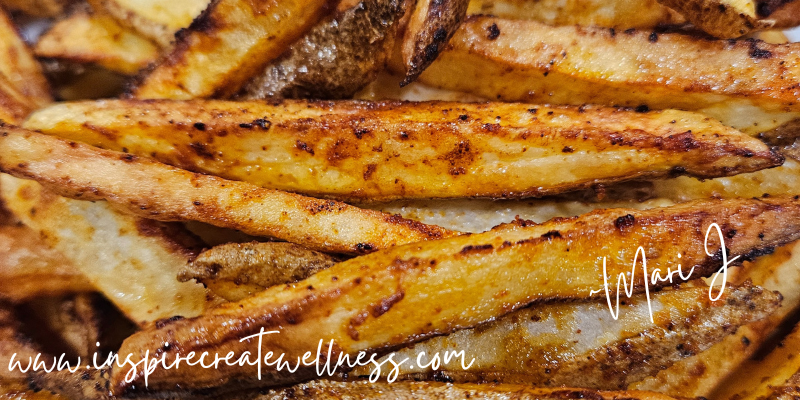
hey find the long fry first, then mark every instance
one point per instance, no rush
(161, 192)
(388, 150)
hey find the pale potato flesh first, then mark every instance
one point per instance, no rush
(155, 19)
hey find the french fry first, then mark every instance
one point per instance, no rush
(725, 19)
(785, 13)
(157, 191)
(336, 58)
(236, 271)
(29, 268)
(98, 39)
(14, 107)
(364, 151)
(133, 261)
(429, 28)
(19, 66)
(408, 293)
(617, 14)
(581, 345)
(157, 20)
(739, 83)
(226, 45)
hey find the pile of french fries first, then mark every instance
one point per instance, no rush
(452, 181)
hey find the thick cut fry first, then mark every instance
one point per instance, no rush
(383, 151)
(98, 39)
(618, 14)
(408, 293)
(29, 268)
(18, 65)
(721, 18)
(226, 45)
(338, 57)
(14, 107)
(235, 271)
(132, 261)
(530, 61)
(161, 192)
(155, 19)
(429, 28)
(581, 345)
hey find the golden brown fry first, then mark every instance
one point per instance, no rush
(226, 45)
(581, 345)
(235, 271)
(29, 268)
(721, 18)
(99, 39)
(618, 14)
(365, 151)
(14, 107)
(157, 20)
(408, 293)
(19, 66)
(429, 28)
(339, 56)
(132, 261)
(161, 192)
(739, 83)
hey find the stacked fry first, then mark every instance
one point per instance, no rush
(433, 199)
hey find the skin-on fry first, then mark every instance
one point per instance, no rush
(19, 66)
(165, 193)
(155, 19)
(721, 18)
(581, 345)
(367, 151)
(618, 14)
(785, 13)
(429, 28)
(408, 293)
(132, 261)
(235, 271)
(226, 45)
(338, 57)
(528, 61)
(98, 39)
(14, 107)
(29, 268)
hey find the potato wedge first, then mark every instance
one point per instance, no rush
(98, 39)
(157, 20)
(14, 107)
(29, 268)
(161, 192)
(226, 45)
(19, 66)
(235, 271)
(724, 19)
(366, 151)
(338, 57)
(132, 261)
(429, 28)
(581, 345)
(617, 14)
(408, 293)
(740, 83)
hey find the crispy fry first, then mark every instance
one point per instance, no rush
(581, 345)
(98, 39)
(14, 107)
(721, 18)
(29, 268)
(408, 293)
(19, 67)
(618, 14)
(383, 151)
(338, 57)
(161, 192)
(226, 45)
(429, 28)
(132, 261)
(740, 83)
(155, 19)
(235, 271)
